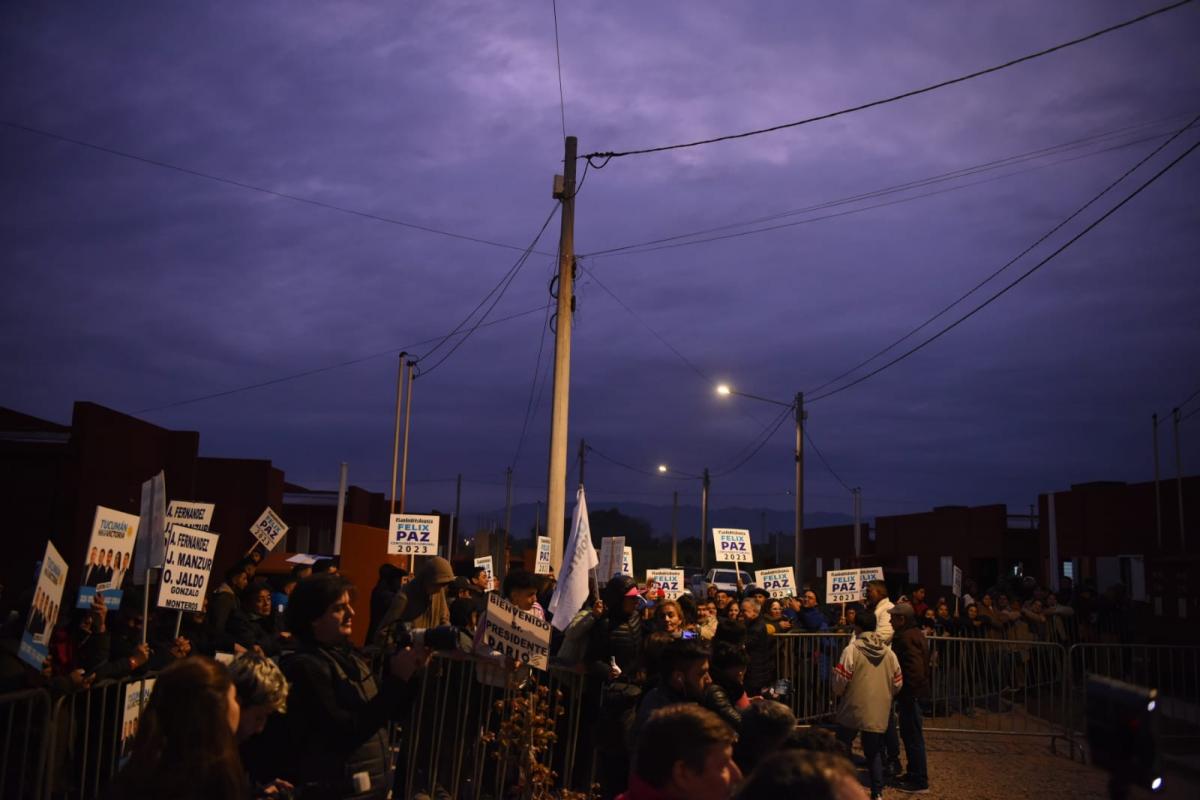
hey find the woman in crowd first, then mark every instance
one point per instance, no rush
(337, 712)
(775, 620)
(185, 746)
(668, 618)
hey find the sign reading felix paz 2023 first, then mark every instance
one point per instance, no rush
(269, 528)
(733, 544)
(850, 585)
(413, 535)
(778, 582)
(515, 633)
(186, 568)
(669, 580)
(542, 565)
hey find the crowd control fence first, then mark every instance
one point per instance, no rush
(475, 730)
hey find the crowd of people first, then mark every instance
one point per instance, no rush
(681, 694)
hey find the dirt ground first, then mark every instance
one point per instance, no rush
(1016, 768)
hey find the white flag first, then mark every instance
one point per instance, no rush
(151, 535)
(579, 558)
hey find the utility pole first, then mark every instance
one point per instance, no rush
(1157, 488)
(341, 510)
(537, 520)
(798, 556)
(457, 516)
(674, 529)
(556, 486)
(407, 416)
(507, 520)
(857, 523)
(704, 521)
(582, 464)
(1179, 479)
(396, 438)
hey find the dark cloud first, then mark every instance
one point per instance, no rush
(137, 286)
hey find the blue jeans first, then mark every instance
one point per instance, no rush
(872, 744)
(914, 739)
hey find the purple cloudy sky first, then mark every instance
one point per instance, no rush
(137, 286)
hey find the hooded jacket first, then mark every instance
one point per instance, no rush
(866, 677)
(616, 636)
(415, 605)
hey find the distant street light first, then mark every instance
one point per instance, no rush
(662, 468)
(798, 405)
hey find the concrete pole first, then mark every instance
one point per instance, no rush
(1157, 487)
(1179, 480)
(556, 488)
(798, 555)
(407, 417)
(704, 521)
(341, 510)
(396, 437)
(674, 529)
(457, 515)
(857, 523)
(507, 521)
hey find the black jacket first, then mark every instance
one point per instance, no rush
(720, 701)
(912, 650)
(760, 646)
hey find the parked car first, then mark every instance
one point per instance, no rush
(726, 579)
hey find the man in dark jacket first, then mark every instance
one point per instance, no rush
(912, 650)
(684, 679)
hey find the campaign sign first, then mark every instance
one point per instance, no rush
(957, 588)
(152, 529)
(190, 515)
(269, 528)
(137, 694)
(110, 553)
(843, 586)
(47, 598)
(516, 633)
(186, 568)
(866, 575)
(627, 561)
(413, 535)
(732, 544)
(612, 558)
(669, 580)
(486, 563)
(542, 566)
(779, 582)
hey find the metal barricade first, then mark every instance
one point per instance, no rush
(470, 738)
(85, 744)
(25, 717)
(997, 686)
(1172, 670)
(807, 661)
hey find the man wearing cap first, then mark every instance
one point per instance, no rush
(912, 650)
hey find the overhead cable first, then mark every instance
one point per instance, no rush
(609, 155)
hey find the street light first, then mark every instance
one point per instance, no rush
(662, 468)
(798, 404)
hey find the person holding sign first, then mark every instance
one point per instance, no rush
(337, 712)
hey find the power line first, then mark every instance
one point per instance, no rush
(1013, 260)
(1018, 280)
(821, 456)
(1189, 398)
(498, 290)
(254, 188)
(782, 417)
(318, 370)
(562, 104)
(616, 463)
(609, 155)
(682, 239)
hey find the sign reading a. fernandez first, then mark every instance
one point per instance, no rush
(187, 568)
(732, 544)
(516, 633)
(413, 535)
(190, 515)
(269, 528)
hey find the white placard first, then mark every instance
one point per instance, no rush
(669, 580)
(110, 553)
(47, 600)
(486, 563)
(269, 528)
(190, 515)
(137, 694)
(779, 582)
(627, 561)
(542, 564)
(850, 585)
(305, 559)
(516, 633)
(957, 585)
(612, 557)
(187, 568)
(413, 535)
(732, 544)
